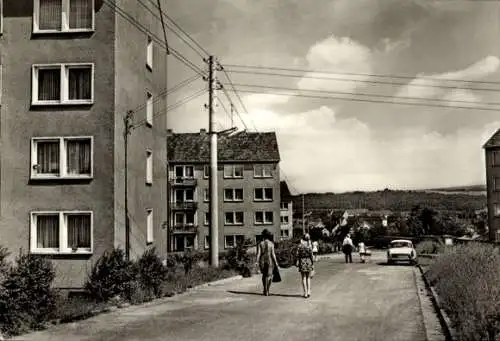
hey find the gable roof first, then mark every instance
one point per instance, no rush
(284, 190)
(494, 140)
(240, 147)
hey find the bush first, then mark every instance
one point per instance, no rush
(27, 298)
(429, 247)
(190, 258)
(111, 276)
(466, 279)
(150, 272)
(240, 260)
(325, 248)
(285, 253)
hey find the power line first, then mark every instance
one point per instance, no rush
(179, 56)
(161, 17)
(363, 81)
(363, 94)
(356, 74)
(183, 31)
(224, 90)
(367, 100)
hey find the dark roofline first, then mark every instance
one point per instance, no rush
(491, 140)
(198, 162)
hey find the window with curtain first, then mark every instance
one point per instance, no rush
(49, 84)
(47, 153)
(79, 230)
(79, 83)
(50, 15)
(47, 231)
(78, 154)
(80, 14)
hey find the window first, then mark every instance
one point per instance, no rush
(207, 218)
(206, 194)
(496, 210)
(55, 84)
(149, 167)
(284, 206)
(233, 218)
(264, 218)
(263, 194)
(61, 232)
(184, 242)
(206, 171)
(149, 226)
(184, 195)
(54, 16)
(231, 241)
(233, 171)
(207, 242)
(149, 54)
(184, 219)
(61, 158)
(495, 158)
(149, 109)
(184, 172)
(285, 233)
(262, 171)
(233, 194)
(1, 17)
(284, 219)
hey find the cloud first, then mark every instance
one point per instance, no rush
(427, 86)
(336, 55)
(322, 152)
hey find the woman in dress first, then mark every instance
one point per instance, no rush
(305, 263)
(266, 260)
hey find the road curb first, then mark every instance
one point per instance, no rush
(449, 331)
(218, 282)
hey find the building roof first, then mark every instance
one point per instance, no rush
(284, 190)
(494, 140)
(239, 147)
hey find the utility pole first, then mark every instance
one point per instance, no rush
(128, 129)
(214, 217)
(303, 217)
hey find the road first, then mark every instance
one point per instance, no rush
(368, 302)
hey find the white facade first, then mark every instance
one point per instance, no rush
(286, 220)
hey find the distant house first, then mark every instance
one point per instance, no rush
(248, 188)
(286, 212)
(492, 158)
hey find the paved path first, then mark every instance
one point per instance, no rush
(366, 302)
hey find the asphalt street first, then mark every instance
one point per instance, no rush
(368, 302)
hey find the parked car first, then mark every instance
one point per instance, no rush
(401, 250)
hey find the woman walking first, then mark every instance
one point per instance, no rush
(266, 260)
(305, 263)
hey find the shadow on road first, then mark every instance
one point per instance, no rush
(394, 264)
(260, 294)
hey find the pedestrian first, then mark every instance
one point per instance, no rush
(315, 249)
(347, 247)
(266, 260)
(305, 263)
(362, 251)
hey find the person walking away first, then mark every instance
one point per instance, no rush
(315, 249)
(347, 247)
(305, 263)
(362, 251)
(266, 260)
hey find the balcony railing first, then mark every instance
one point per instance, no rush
(184, 228)
(184, 205)
(184, 182)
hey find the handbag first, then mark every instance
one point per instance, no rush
(276, 275)
(312, 273)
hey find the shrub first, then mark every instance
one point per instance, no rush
(27, 298)
(111, 276)
(285, 253)
(151, 273)
(190, 258)
(325, 248)
(240, 260)
(466, 279)
(429, 247)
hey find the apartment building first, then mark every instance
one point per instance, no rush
(286, 212)
(492, 160)
(71, 69)
(248, 188)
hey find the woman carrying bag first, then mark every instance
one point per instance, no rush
(267, 262)
(305, 263)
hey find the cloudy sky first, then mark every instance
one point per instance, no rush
(444, 53)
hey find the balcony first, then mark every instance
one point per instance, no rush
(183, 182)
(184, 228)
(184, 205)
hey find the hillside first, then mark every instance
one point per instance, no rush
(391, 200)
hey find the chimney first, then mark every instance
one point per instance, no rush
(203, 131)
